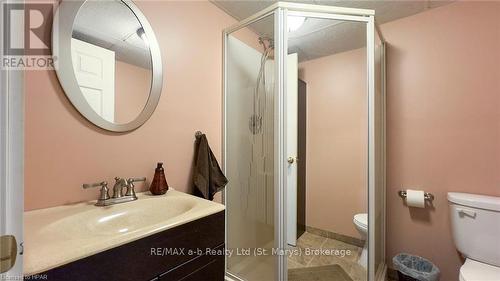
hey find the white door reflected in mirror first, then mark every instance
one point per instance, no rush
(95, 72)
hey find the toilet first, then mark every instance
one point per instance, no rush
(361, 223)
(475, 225)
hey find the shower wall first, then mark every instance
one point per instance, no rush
(251, 172)
(249, 157)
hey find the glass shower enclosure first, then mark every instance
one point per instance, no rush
(257, 150)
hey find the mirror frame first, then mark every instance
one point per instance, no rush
(62, 31)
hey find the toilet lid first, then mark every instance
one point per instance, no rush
(477, 271)
(361, 220)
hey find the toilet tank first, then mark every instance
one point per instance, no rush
(475, 225)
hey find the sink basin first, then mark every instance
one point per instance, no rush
(59, 235)
(125, 219)
(120, 218)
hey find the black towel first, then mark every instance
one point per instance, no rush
(208, 177)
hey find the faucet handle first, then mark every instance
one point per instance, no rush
(104, 193)
(90, 185)
(132, 180)
(130, 185)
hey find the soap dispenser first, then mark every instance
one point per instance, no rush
(159, 184)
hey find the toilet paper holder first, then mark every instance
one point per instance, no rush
(427, 195)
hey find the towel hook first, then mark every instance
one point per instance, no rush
(198, 134)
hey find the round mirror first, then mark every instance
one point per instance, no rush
(108, 62)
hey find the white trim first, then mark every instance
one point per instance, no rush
(384, 151)
(329, 16)
(12, 158)
(12, 161)
(280, 226)
(325, 9)
(4, 117)
(223, 137)
(370, 47)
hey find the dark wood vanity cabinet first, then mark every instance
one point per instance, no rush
(189, 252)
(209, 267)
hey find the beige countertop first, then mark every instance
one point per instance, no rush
(59, 235)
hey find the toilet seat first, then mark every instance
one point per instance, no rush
(361, 220)
(477, 271)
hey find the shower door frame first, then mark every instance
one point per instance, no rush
(281, 10)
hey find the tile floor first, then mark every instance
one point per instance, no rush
(315, 242)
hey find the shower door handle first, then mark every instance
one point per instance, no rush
(291, 160)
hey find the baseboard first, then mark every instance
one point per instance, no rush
(337, 236)
(381, 274)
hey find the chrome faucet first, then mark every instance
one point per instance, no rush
(118, 197)
(118, 187)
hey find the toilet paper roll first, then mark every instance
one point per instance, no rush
(415, 198)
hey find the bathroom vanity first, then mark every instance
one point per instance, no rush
(170, 237)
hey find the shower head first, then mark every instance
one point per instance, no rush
(270, 42)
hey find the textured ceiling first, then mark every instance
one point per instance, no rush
(322, 37)
(112, 25)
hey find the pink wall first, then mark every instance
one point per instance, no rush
(443, 121)
(63, 150)
(132, 84)
(336, 140)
